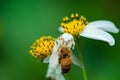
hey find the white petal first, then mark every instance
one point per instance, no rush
(52, 74)
(53, 62)
(58, 69)
(75, 60)
(61, 29)
(55, 48)
(104, 25)
(60, 77)
(49, 72)
(97, 34)
(46, 60)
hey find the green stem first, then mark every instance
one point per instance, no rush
(81, 59)
(83, 68)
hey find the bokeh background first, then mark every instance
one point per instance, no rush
(24, 21)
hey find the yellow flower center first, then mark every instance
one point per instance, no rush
(42, 47)
(75, 25)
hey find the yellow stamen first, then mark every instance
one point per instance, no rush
(63, 19)
(42, 47)
(76, 15)
(66, 18)
(75, 26)
(72, 15)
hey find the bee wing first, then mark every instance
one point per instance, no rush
(75, 60)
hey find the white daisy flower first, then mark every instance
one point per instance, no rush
(97, 30)
(57, 60)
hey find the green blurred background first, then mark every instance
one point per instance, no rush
(24, 21)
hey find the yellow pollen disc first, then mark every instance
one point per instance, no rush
(75, 26)
(42, 47)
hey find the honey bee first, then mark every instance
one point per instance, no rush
(64, 59)
(61, 59)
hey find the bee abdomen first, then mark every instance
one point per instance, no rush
(65, 64)
(65, 70)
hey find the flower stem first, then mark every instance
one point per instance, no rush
(81, 59)
(83, 68)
